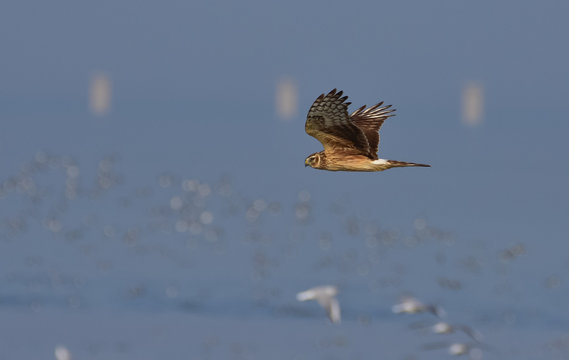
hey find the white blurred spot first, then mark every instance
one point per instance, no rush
(190, 185)
(165, 181)
(252, 214)
(259, 205)
(109, 231)
(171, 292)
(286, 99)
(206, 218)
(176, 203)
(457, 349)
(420, 224)
(204, 190)
(54, 225)
(61, 353)
(442, 328)
(302, 212)
(73, 171)
(41, 157)
(472, 104)
(410, 305)
(100, 92)
(304, 196)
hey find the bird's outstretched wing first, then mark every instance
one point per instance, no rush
(332, 307)
(370, 121)
(326, 297)
(328, 121)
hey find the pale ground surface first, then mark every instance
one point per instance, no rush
(171, 261)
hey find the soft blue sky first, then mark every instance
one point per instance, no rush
(416, 53)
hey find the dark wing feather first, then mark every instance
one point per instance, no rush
(328, 121)
(370, 121)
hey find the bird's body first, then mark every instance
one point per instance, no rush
(445, 328)
(350, 141)
(355, 162)
(410, 305)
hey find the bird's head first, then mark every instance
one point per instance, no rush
(312, 160)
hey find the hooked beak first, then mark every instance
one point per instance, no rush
(305, 164)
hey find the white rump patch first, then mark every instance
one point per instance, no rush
(380, 162)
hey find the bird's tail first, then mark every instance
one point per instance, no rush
(395, 163)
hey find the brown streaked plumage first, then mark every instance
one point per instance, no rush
(350, 141)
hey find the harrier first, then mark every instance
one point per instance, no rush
(350, 141)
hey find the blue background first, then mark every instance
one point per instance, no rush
(193, 98)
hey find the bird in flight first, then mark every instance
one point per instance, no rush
(350, 141)
(410, 305)
(326, 296)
